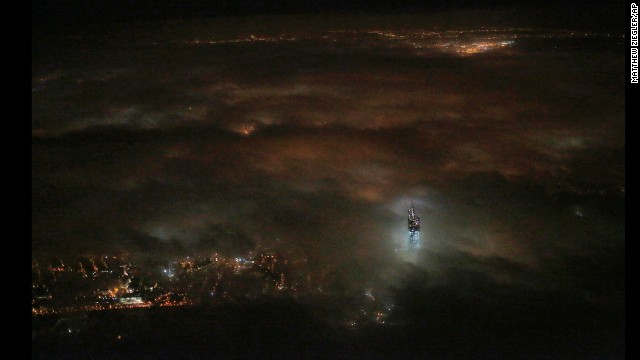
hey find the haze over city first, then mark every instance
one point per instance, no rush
(262, 168)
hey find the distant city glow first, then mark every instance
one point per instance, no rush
(244, 129)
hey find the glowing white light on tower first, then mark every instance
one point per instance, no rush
(414, 229)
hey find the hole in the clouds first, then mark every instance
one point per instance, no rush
(244, 129)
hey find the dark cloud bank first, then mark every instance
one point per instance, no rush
(198, 138)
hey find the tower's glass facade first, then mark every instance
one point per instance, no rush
(414, 229)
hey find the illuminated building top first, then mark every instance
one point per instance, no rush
(414, 228)
(414, 220)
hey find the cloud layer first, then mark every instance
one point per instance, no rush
(198, 139)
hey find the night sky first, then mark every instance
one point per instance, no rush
(312, 132)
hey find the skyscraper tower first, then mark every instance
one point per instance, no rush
(414, 228)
